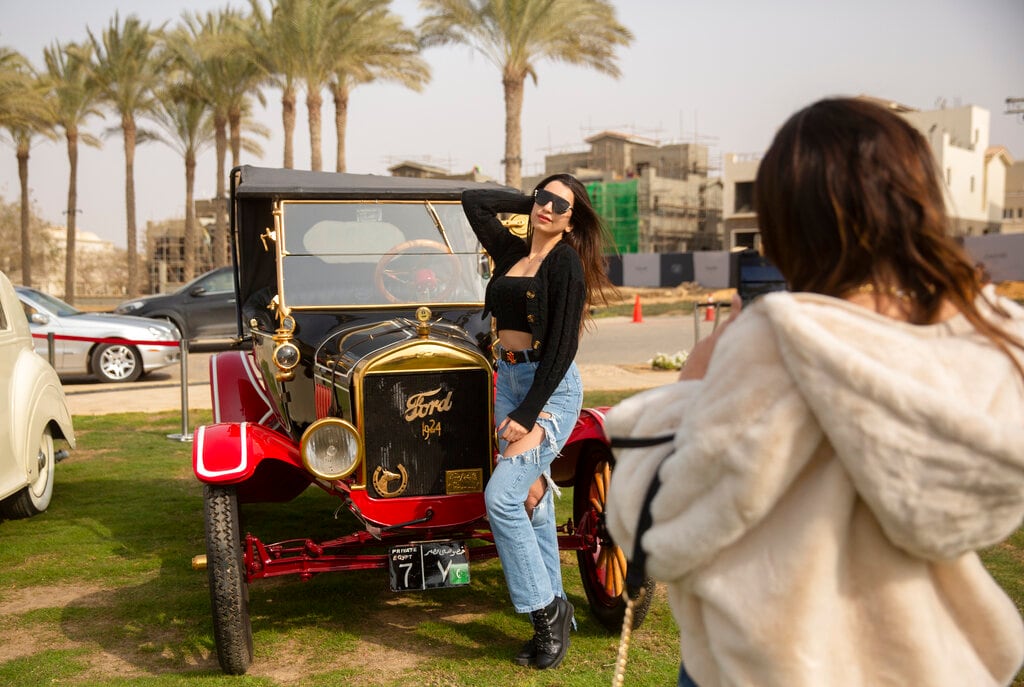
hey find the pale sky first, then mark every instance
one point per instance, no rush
(726, 72)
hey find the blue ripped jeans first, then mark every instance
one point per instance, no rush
(529, 548)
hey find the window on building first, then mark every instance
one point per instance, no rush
(1020, 213)
(972, 183)
(949, 176)
(744, 197)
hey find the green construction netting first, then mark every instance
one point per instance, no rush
(615, 202)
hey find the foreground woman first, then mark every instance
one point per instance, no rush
(840, 452)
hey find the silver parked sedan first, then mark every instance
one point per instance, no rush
(112, 348)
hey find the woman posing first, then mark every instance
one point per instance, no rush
(538, 294)
(840, 451)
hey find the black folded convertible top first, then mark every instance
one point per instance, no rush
(263, 182)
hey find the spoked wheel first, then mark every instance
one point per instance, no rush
(229, 590)
(35, 497)
(602, 566)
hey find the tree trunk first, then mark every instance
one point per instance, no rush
(313, 103)
(513, 85)
(72, 236)
(190, 217)
(220, 228)
(340, 122)
(26, 239)
(235, 126)
(128, 127)
(288, 122)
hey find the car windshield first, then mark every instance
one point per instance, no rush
(372, 254)
(51, 303)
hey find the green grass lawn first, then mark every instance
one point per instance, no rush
(99, 591)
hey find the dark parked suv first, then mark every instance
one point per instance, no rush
(202, 309)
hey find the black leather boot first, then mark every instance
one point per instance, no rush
(551, 627)
(527, 655)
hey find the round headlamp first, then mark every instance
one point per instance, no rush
(286, 355)
(331, 448)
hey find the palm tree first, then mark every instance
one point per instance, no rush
(73, 98)
(246, 76)
(185, 119)
(273, 47)
(16, 81)
(313, 24)
(24, 138)
(516, 35)
(210, 49)
(24, 112)
(126, 69)
(373, 45)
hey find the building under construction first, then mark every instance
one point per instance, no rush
(653, 198)
(165, 248)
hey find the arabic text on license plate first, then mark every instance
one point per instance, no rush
(430, 565)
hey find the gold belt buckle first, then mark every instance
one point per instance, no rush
(510, 356)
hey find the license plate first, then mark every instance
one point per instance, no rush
(429, 565)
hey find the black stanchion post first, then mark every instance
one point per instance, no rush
(51, 348)
(185, 434)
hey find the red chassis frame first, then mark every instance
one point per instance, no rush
(244, 448)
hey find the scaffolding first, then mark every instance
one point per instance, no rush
(616, 204)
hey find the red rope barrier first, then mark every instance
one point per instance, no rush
(63, 337)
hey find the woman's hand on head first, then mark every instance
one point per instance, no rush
(696, 365)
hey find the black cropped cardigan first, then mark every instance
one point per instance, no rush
(554, 306)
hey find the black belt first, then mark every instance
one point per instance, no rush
(514, 357)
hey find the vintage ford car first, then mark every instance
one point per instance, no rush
(365, 369)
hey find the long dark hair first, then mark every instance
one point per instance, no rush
(589, 237)
(849, 194)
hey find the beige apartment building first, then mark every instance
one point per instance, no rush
(100, 269)
(977, 176)
(1013, 208)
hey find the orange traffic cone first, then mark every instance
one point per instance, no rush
(638, 315)
(709, 311)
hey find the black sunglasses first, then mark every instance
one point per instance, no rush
(559, 205)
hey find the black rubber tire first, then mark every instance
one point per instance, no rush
(229, 591)
(176, 324)
(116, 363)
(594, 465)
(35, 497)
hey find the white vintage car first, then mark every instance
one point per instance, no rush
(34, 415)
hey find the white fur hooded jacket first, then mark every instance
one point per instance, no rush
(830, 480)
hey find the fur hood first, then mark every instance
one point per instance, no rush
(921, 440)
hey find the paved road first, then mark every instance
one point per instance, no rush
(620, 341)
(612, 355)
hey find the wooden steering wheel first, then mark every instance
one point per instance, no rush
(417, 281)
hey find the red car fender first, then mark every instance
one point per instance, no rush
(589, 430)
(590, 425)
(237, 390)
(230, 452)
